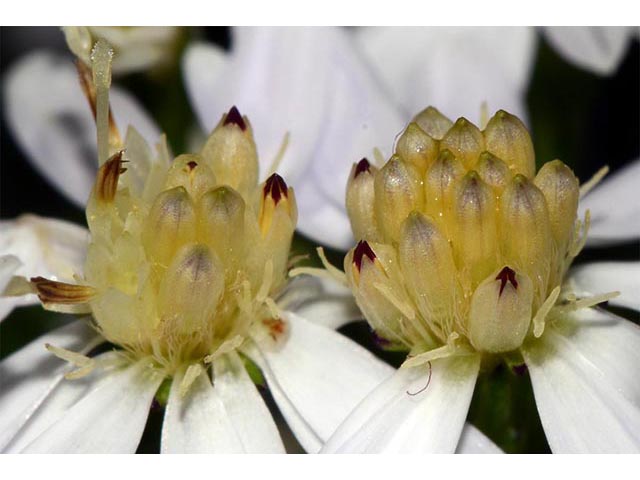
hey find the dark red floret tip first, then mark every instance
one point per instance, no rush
(362, 250)
(362, 166)
(192, 165)
(507, 275)
(234, 117)
(276, 187)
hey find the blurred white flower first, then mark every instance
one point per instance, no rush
(136, 48)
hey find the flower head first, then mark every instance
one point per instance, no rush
(463, 260)
(464, 242)
(186, 275)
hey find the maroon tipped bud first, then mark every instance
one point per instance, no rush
(362, 249)
(362, 166)
(234, 117)
(192, 165)
(507, 275)
(276, 187)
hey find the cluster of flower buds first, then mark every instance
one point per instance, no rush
(186, 254)
(460, 238)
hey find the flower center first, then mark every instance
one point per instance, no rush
(185, 255)
(465, 243)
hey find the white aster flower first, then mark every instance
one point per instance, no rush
(184, 271)
(463, 263)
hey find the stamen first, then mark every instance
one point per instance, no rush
(85, 364)
(593, 181)
(277, 160)
(226, 347)
(594, 300)
(378, 157)
(336, 272)
(193, 371)
(543, 311)
(404, 307)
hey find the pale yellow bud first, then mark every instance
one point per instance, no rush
(476, 229)
(500, 312)
(417, 147)
(190, 171)
(230, 151)
(562, 192)
(525, 233)
(465, 141)
(439, 186)
(170, 224)
(372, 272)
(424, 254)
(359, 201)
(433, 122)
(221, 222)
(398, 191)
(493, 171)
(508, 139)
(277, 220)
(190, 290)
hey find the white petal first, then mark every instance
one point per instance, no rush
(228, 417)
(585, 380)
(599, 49)
(8, 266)
(61, 396)
(454, 69)
(403, 416)
(317, 376)
(29, 375)
(614, 207)
(473, 440)
(108, 419)
(50, 248)
(602, 277)
(313, 84)
(322, 301)
(51, 120)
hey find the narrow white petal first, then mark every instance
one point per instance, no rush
(109, 419)
(410, 413)
(584, 376)
(603, 277)
(598, 49)
(454, 69)
(51, 120)
(473, 440)
(61, 396)
(317, 376)
(8, 266)
(30, 374)
(320, 300)
(313, 84)
(228, 417)
(614, 207)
